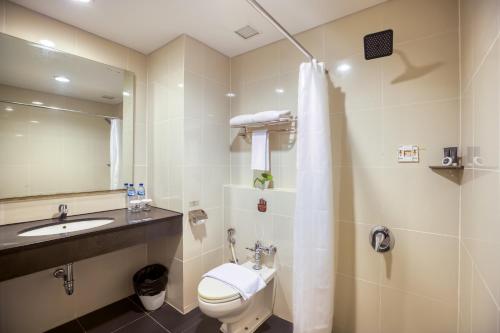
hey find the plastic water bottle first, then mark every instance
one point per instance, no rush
(141, 192)
(131, 195)
(141, 195)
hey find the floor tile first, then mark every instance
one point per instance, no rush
(275, 325)
(70, 327)
(111, 317)
(143, 325)
(174, 321)
(205, 324)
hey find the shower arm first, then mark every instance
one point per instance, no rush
(280, 28)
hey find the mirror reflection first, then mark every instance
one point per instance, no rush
(66, 123)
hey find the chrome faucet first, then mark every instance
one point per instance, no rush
(62, 212)
(260, 250)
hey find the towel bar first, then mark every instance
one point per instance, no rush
(246, 130)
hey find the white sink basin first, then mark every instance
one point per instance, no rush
(64, 228)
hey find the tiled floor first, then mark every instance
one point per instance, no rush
(128, 316)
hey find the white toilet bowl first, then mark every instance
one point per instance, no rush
(221, 301)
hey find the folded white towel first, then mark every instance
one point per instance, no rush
(240, 278)
(243, 119)
(264, 116)
(260, 150)
(260, 117)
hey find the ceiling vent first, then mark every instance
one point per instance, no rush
(246, 32)
(108, 97)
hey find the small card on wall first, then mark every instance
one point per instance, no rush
(408, 154)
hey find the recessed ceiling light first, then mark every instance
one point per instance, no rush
(83, 1)
(180, 85)
(126, 93)
(37, 103)
(343, 68)
(60, 78)
(19, 135)
(279, 90)
(34, 121)
(9, 109)
(47, 42)
(230, 95)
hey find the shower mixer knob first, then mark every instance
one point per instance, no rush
(381, 239)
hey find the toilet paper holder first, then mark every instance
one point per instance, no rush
(197, 216)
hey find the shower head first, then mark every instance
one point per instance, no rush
(379, 44)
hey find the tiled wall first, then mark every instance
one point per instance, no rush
(187, 85)
(411, 97)
(272, 227)
(480, 142)
(39, 296)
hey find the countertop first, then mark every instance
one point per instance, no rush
(9, 239)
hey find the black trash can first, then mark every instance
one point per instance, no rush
(150, 284)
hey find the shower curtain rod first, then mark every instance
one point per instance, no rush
(278, 26)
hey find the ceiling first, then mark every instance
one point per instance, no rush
(146, 25)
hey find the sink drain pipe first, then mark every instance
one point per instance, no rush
(66, 274)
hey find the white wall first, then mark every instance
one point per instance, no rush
(187, 86)
(272, 227)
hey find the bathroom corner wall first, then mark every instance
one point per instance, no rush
(99, 280)
(480, 190)
(411, 97)
(187, 84)
(272, 227)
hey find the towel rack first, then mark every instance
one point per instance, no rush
(291, 123)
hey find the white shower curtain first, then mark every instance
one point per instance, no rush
(115, 153)
(313, 271)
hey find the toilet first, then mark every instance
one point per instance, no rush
(221, 301)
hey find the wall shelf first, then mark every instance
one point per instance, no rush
(444, 167)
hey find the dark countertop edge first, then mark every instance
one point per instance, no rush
(91, 233)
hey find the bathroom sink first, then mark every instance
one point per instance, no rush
(65, 227)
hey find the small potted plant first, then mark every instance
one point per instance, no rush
(263, 181)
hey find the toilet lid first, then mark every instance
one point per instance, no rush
(214, 290)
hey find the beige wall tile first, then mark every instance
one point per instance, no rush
(484, 314)
(344, 36)
(407, 313)
(355, 257)
(357, 306)
(283, 304)
(28, 296)
(405, 18)
(486, 106)
(26, 24)
(414, 262)
(291, 58)
(465, 291)
(100, 281)
(191, 279)
(100, 49)
(422, 70)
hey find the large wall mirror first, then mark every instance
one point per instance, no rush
(66, 122)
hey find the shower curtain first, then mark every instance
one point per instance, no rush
(115, 153)
(313, 271)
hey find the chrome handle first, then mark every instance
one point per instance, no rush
(381, 239)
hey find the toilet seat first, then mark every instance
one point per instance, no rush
(214, 291)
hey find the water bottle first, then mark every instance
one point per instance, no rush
(141, 195)
(131, 195)
(141, 192)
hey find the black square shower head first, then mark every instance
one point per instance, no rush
(379, 44)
